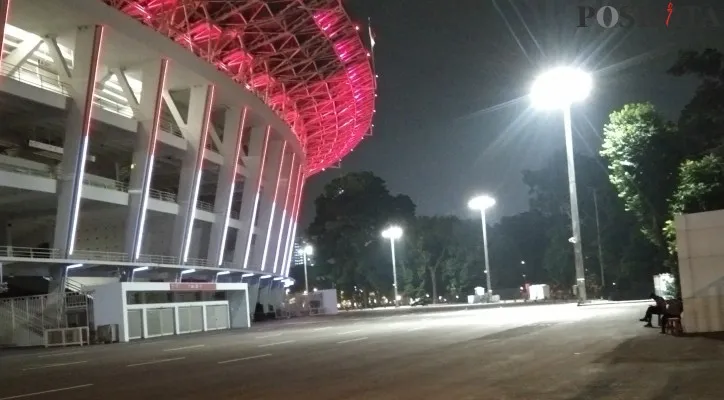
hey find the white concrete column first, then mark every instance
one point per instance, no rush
(148, 115)
(231, 151)
(284, 215)
(295, 218)
(256, 162)
(278, 160)
(4, 17)
(199, 115)
(86, 59)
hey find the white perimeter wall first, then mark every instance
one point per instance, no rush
(700, 244)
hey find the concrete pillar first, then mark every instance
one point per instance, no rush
(258, 145)
(4, 17)
(86, 59)
(295, 217)
(253, 286)
(198, 120)
(148, 115)
(286, 215)
(231, 151)
(278, 160)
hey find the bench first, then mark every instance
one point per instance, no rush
(674, 327)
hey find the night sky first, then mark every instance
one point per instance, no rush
(452, 118)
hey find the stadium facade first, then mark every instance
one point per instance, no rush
(169, 140)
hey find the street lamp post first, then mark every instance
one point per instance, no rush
(558, 89)
(482, 203)
(393, 233)
(306, 251)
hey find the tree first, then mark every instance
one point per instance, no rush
(548, 246)
(441, 254)
(702, 121)
(644, 153)
(350, 215)
(701, 186)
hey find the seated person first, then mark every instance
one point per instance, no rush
(658, 309)
(674, 310)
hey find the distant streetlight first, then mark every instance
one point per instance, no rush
(558, 89)
(308, 250)
(393, 233)
(482, 203)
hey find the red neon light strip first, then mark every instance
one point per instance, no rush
(256, 197)
(289, 246)
(163, 72)
(85, 134)
(239, 141)
(288, 196)
(208, 107)
(296, 218)
(232, 185)
(273, 206)
(159, 104)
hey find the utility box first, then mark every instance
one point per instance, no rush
(107, 333)
(539, 292)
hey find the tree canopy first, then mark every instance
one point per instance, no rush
(351, 213)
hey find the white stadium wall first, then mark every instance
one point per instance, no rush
(700, 246)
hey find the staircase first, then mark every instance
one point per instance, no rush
(24, 320)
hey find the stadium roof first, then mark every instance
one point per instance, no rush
(304, 58)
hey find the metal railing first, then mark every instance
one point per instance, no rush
(157, 259)
(163, 196)
(96, 256)
(26, 171)
(32, 77)
(29, 252)
(106, 184)
(170, 127)
(100, 256)
(202, 205)
(61, 337)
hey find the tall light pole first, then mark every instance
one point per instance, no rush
(393, 233)
(598, 238)
(558, 89)
(482, 203)
(306, 251)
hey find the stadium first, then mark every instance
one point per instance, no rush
(153, 157)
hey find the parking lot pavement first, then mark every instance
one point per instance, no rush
(544, 352)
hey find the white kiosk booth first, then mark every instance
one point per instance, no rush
(152, 309)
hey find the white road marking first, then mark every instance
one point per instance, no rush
(186, 347)
(156, 361)
(65, 353)
(416, 328)
(349, 332)
(244, 358)
(22, 396)
(54, 365)
(321, 329)
(270, 336)
(353, 340)
(277, 343)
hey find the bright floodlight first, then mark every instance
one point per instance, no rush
(393, 232)
(308, 249)
(560, 87)
(481, 203)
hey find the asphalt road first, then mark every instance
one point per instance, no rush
(537, 352)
